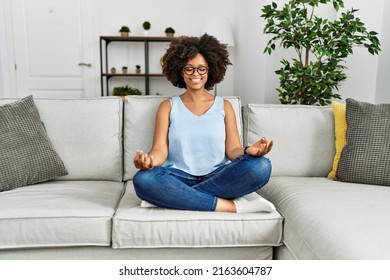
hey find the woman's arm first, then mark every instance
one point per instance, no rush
(159, 151)
(233, 144)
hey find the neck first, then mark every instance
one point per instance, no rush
(195, 95)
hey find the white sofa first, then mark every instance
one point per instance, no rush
(323, 219)
(93, 212)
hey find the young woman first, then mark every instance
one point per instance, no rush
(197, 161)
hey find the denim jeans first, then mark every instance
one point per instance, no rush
(172, 188)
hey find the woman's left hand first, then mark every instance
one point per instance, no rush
(260, 148)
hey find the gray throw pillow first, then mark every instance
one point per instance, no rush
(27, 155)
(366, 156)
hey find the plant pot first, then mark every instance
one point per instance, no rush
(137, 71)
(170, 35)
(113, 70)
(125, 34)
(146, 32)
(124, 70)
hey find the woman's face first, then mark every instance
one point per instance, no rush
(195, 72)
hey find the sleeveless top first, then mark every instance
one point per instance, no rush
(196, 143)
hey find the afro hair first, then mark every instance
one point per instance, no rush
(184, 48)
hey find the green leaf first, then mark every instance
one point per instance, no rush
(329, 41)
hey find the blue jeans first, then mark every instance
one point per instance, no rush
(172, 188)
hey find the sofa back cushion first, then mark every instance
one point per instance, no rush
(139, 121)
(304, 141)
(86, 134)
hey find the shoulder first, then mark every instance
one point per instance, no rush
(165, 106)
(227, 105)
(166, 103)
(229, 111)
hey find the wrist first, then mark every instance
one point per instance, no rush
(246, 150)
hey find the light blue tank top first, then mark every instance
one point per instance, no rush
(196, 143)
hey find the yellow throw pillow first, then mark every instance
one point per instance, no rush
(340, 125)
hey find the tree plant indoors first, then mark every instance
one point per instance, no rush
(321, 46)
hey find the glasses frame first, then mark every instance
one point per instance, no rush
(186, 70)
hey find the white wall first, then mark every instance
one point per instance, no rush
(5, 90)
(249, 64)
(362, 72)
(186, 17)
(383, 77)
(252, 75)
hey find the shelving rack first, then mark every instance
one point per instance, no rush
(105, 74)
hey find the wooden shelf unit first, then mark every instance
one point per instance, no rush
(105, 74)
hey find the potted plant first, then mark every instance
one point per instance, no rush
(124, 69)
(146, 26)
(122, 91)
(113, 70)
(138, 69)
(321, 45)
(125, 30)
(169, 32)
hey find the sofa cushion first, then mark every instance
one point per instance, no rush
(139, 121)
(87, 135)
(327, 219)
(26, 154)
(366, 156)
(303, 137)
(59, 213)
(340, 127)
(136, 227)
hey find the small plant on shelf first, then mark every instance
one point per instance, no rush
(125, 30)
(138, 69)
(124, 69)
(146, 26)
(169, 32)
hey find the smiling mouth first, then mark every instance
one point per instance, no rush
(196, 80)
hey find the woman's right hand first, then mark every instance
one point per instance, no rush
(143, 161)
(260, 148)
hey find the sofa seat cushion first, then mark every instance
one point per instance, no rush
(59, 213)
(136, 227)
(326, 219)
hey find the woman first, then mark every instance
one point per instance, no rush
(197, 161)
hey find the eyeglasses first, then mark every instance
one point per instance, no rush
(189, 70)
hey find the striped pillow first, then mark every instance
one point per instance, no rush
(26, 153)
(366, 156)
